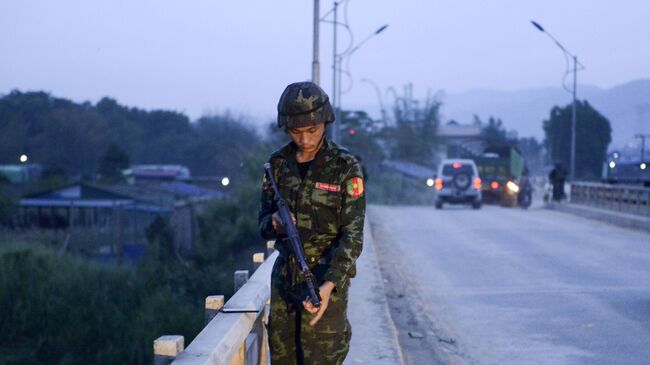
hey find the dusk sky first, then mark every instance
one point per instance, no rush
(210, 56)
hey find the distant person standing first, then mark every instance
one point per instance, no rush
(324, 186)
(525, 195)
(557, 177)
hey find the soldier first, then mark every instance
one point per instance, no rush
(323, 185)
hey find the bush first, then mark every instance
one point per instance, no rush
(58, 309)
(393, 188)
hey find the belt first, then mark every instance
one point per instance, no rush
(286, 252)
(310, 260)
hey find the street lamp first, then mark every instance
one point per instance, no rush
(337, 72)
(567, 55)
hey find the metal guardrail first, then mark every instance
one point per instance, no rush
(235, 333)
(620, 198)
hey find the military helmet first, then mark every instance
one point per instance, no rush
(303, 104)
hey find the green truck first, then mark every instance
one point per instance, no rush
(500, 169)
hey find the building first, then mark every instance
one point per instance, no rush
(460, 140)
(115, 218)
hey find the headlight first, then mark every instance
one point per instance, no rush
(512, 186)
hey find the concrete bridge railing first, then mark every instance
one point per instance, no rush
(235, 332)
(621, 198)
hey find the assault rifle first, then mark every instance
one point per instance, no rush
(292, 235)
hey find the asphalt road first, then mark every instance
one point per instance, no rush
(507, 286)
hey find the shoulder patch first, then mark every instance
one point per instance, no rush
(354, 187)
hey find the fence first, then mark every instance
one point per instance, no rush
(621, 198)
(235, 333)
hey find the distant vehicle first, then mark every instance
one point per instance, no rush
(628, 172)
(525, 195)
(501, 168)
(457, 182)
(138, 173)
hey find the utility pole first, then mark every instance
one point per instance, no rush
(335, 78)
(315, 66)
(573, 120)
(642, 137)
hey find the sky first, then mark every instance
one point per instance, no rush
(201, 57)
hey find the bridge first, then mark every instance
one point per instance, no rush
(565, 285)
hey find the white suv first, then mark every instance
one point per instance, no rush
(458, 182)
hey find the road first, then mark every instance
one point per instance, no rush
(508, 286)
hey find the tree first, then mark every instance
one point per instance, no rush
(76, 137)
(6, 201)
(493, 133)
(414, 134)
(112, 162)
(533, 153)
(358, 134)
(593, 135)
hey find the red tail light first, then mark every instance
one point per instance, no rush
(438, 184)
(477, 183)
(494, 185)
(457, 165)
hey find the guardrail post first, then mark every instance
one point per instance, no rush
(213, 304)
(241, 277)
(240, 356)
(166, 348)
(258, 259)
(264, 320)
(270, 247)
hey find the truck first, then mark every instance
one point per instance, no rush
(500, 169)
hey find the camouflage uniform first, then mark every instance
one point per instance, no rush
(329, 206)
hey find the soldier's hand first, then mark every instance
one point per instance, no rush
(277, 222)
(325, 291)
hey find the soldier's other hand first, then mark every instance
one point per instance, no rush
(277, 222)
(325, 291)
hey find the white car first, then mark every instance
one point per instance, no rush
(457, 182)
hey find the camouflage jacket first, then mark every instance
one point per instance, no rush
(329, 206)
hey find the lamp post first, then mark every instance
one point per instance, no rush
(337, 70)
(568, 55)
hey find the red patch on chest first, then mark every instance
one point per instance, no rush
(328, 187)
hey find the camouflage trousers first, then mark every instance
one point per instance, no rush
(293, 341)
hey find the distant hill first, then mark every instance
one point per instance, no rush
(627, 107)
